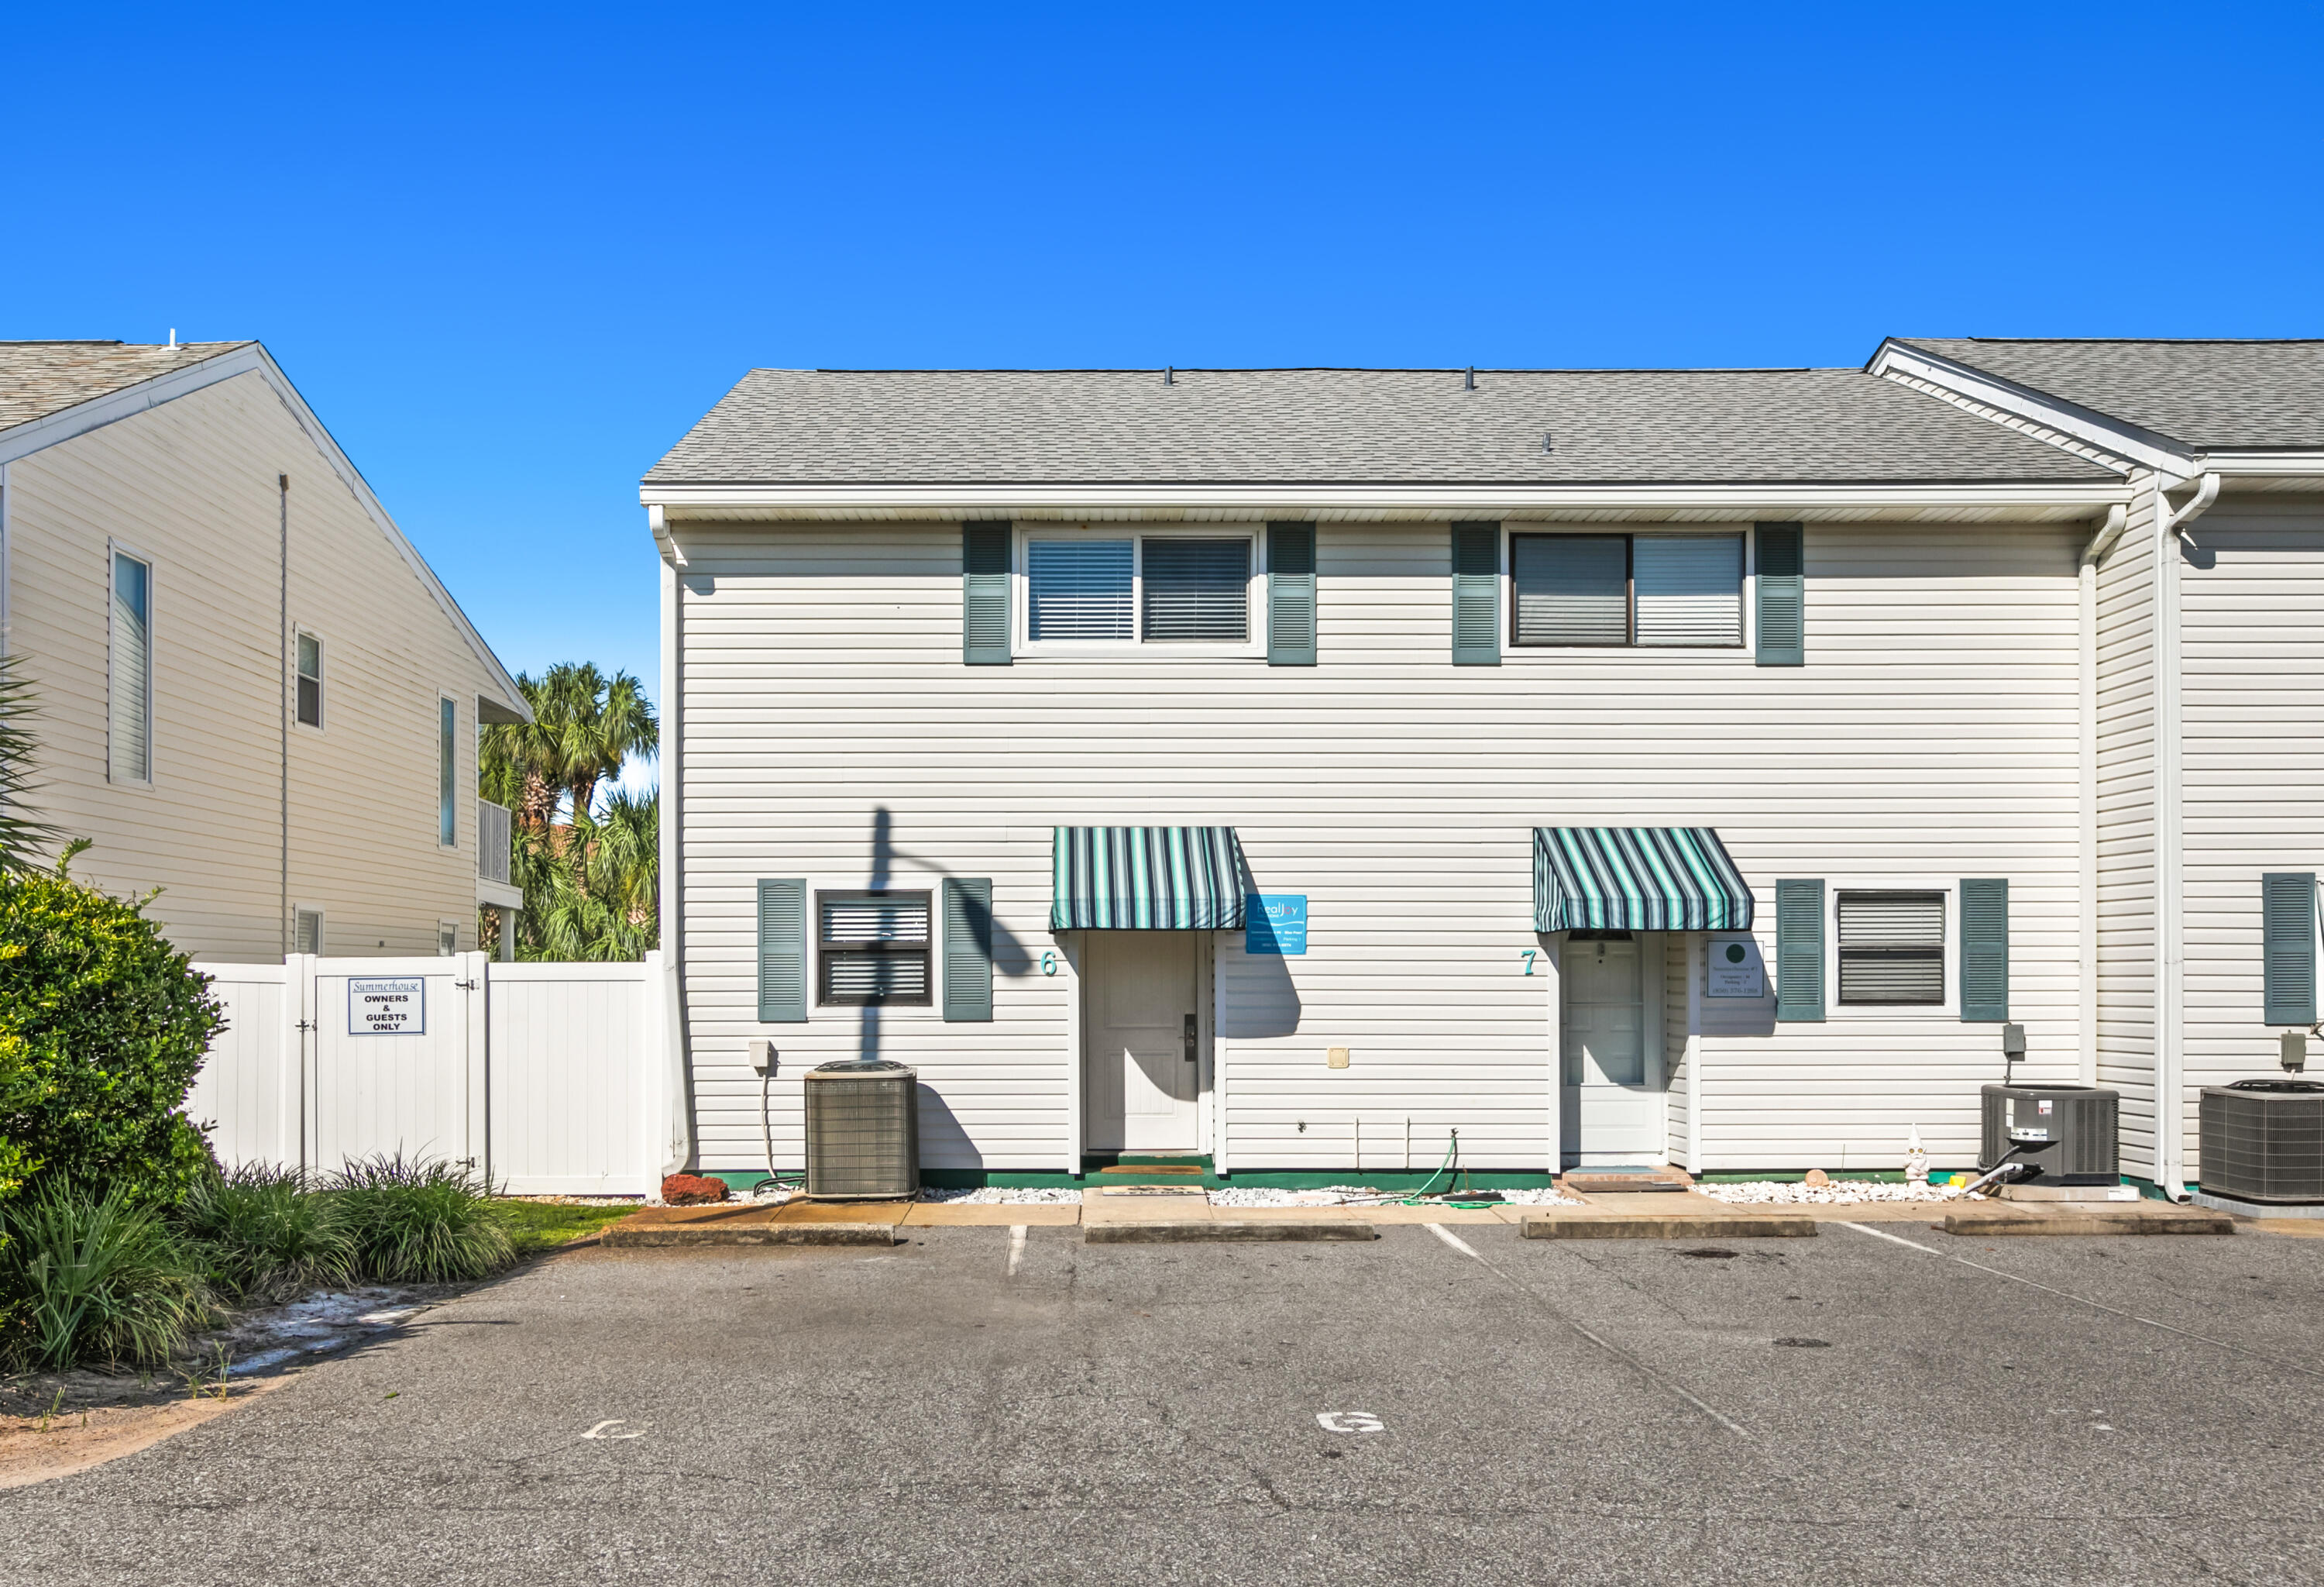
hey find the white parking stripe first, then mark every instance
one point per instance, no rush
(1624, 1356)
(1016, 1248)
(2078, 1299)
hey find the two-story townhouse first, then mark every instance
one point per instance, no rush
(1303, 766)
(251, 693)
(2203, 720)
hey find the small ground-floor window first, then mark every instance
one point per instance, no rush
(874, 947)
(1892, 947)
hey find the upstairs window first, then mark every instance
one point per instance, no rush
(1892, 947)
(311, 680)
(447, 773)
(872, 948)
(129, 682)
(1151, 589)
(1626, 589)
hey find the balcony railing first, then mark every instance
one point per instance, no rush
(493, 841)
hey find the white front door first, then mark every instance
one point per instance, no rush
(1614, 1103)
(1142, 1017)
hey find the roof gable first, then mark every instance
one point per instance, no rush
(41, 378)
(2204, 395)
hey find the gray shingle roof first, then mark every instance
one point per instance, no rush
(1345, 427)
(41, 378)
(2205, 394)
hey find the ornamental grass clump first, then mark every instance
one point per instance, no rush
(424, 1221)
(95, 1277)
(269, 1234)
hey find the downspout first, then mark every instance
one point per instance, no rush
(678, 1135)
(2170, 843)
(2117, 517)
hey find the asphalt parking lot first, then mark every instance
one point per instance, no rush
(1841, 1410)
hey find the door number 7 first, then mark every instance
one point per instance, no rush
(1528, 955)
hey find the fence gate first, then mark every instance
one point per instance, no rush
(395, 1061)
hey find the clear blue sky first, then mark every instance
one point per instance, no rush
(510, 258)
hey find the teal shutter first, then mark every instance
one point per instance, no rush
(1985, 948)
(968, 947)
(783, 951)
(984, 594)
(1799, 950)
(1291, 595)
(2288, 927)
(1476, 594)
(1783, 595)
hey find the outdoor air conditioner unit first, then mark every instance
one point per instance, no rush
(2067, 1134)
(2264, 1139)
(863, 1132)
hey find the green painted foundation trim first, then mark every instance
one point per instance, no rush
(1795, 1176)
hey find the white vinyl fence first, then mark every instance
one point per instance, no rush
(548, 1079)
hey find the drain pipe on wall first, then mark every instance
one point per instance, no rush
(2117, 518)
(2170, 842)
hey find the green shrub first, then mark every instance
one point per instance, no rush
(269, 1235)
(97, 1278)
(102, 1030)
(424, 1221)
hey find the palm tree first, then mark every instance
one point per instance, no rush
(20, 833)
(591, 881)
(584, 728)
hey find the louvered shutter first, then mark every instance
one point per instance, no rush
(783, 951)
(1799, 950)
(1783, 595)
(984, 594)
(1476, 594)
(968, 948)
(2288, 927)
(1985, 948)
(1291, 595)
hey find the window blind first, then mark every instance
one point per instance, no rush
(1197, 589)
(1690, 588)
(848, 921)
(1079, 590)
(311, 680)
(875, 950)
(1572, 589)
(1892, 947)
(131, 715)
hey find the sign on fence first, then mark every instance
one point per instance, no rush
(387, 1005)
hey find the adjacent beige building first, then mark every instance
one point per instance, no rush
(251, 693)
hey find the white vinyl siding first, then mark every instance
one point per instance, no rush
(1690, 588)
(129, 707)
(2128, 943)
(1933, 738)
(189, 487)
(2252, 723)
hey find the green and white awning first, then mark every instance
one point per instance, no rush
(1636, 879)
(1146, 879)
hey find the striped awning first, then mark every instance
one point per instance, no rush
(1146, 879)
(1636, 879)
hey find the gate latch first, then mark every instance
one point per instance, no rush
(466, 985)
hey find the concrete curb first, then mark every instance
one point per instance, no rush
(1158, 1231)
(2177, 1222)
(1647, 1226)
(667, 1235)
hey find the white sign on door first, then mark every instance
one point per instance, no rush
(387, 1005)
(1737, 969)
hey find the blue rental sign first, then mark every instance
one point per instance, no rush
(1274, 923)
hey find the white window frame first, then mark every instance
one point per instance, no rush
(1744, 655)
(300, 631)
(1833, 1009)
(849, 1016)
(113, 550)
(322, 923)
(444, 928)
(1021, 602)
(443, 743)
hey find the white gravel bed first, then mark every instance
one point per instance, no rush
(1336, 1195)
(1839, 1193)
(1000, 1196)
(1547, 1196)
